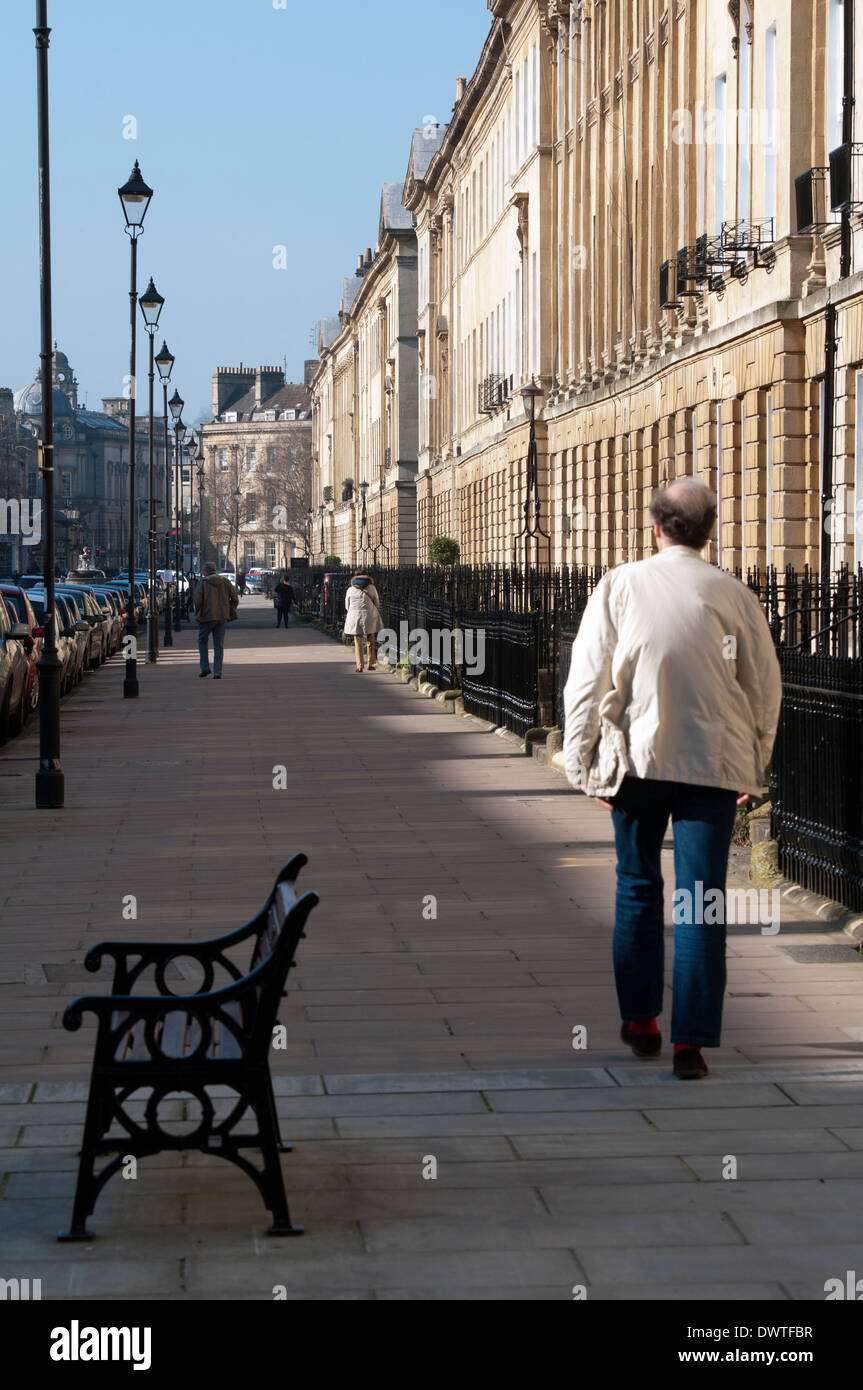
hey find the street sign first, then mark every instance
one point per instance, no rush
(299, 562)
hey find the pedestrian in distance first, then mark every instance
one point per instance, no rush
(363, 620)
(216, 602)
(672, 705)
(241, 581)
(284, 600)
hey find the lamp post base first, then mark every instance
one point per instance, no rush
(50, 785)
(130, 683)
(50, 789)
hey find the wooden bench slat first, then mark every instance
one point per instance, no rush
(225, 1041)
(173, 1039)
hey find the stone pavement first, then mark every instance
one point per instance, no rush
(409, 1039)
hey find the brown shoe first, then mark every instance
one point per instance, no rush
(643, 1044)
(689, 1065)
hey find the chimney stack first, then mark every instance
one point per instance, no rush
(460, 85)
(368, 256)
(267, 381)
(360, 265)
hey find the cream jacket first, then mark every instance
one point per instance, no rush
(363, 616)
(674, 676)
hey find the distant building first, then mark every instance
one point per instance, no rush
(257, 467)
(364, 403)
(91, 471)
(18, 468)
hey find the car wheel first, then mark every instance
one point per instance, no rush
(16, 720)
(4, 715)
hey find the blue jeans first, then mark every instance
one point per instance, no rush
(218, 631)
(703, 823)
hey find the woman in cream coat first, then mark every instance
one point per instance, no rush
(363, 618)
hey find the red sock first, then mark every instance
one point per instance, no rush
(644, 1025)
(687, 1047)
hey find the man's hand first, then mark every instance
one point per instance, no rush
(744, 799)
(607, 804)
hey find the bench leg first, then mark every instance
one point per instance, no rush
(272, 1181)
(88, 1186)
(283, 1147)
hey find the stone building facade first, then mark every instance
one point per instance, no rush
(619, 211)
(258, 444)
(91, 473)
(365, 404)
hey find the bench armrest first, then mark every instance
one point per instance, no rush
(208, 954)
(132, 958)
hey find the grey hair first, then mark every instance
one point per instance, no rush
(685, 512)
(209, 568)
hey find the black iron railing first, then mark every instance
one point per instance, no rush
(504, 637)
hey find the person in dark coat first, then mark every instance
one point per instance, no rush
(284, 600)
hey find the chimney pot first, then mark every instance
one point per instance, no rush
(460, 85)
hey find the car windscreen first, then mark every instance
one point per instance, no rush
(15, 604)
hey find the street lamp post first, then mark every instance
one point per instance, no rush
(50, 784)
(175, 406)
(364, 523)
(237, 496)
(321, 511)
(179, 437)
(165, 363)
(151, 307)
(310, 516)
(200, 473)
(135, 198)
(531, 528)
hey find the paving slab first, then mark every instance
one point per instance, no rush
(408, 1038)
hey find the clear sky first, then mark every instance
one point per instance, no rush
(257, 127)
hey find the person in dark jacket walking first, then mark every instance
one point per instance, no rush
(284, 600)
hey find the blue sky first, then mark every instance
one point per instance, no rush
(256, 127)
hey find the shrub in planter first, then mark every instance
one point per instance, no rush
(443, 550)
(347, 489)
(332, 562)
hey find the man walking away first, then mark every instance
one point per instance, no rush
(241, 581)
(672, 705)
(285, 599)
(216, 603)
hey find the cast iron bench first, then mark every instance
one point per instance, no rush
(163, 1043)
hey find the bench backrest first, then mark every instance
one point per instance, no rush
(281, 930)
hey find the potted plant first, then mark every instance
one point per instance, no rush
(347, 489)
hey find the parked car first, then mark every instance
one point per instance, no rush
(72, 625)
(14, 665)
(32, 581)
(115, 616)
(89, 612)
(21, 611)
(66, 643)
